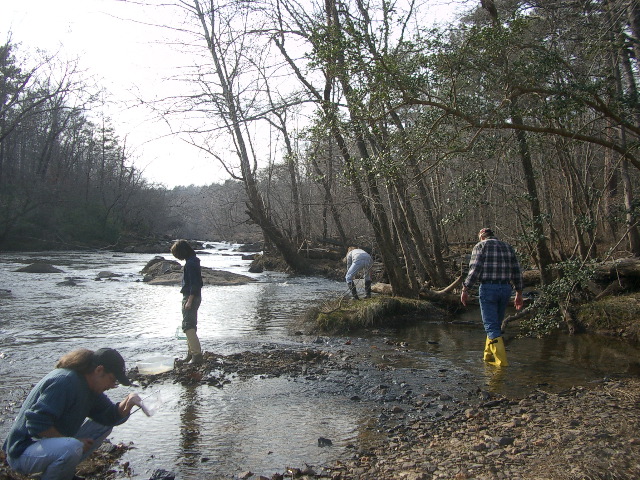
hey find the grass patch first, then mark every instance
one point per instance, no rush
(340, 316)
(619, 315)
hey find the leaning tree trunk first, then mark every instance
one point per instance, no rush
(370, 202)
(256, 208)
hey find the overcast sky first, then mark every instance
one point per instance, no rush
(129, 58)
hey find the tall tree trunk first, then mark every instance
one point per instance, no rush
(611, 178)
(374, 208)
(370, 201)
(412, 264)
(292, 168)
(440, 272)
(255, 208)
(617, 53)
(543, 254)
(574, 194)
(329, 202)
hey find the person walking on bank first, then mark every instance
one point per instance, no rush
(495, 266)
(66, 416)
(191, 298)
(357, 260)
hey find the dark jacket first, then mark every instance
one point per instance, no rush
(62, 399)
(192, 277)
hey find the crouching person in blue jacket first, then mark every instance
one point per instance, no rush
(66, 416)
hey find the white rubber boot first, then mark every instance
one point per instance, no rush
(195, 350)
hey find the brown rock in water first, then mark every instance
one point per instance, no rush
(40, 267)
(160, 271)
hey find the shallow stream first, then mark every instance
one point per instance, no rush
(262, 425)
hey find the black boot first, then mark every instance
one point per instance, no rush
(354, 292)
(367, 289)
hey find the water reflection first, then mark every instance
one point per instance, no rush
(262, 425)
(557, 362)
(259, 424)
(495, 378)
(190, 426)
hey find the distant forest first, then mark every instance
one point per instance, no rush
(520, 115)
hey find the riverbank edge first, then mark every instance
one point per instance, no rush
(615, 316)
(585, 432)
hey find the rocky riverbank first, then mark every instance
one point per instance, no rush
(584, 433)
(417, 433)
(587, 432)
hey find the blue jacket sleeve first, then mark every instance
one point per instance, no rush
(104, 411)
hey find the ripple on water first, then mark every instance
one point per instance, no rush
(261, 424)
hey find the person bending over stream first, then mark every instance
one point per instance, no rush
(66, 416)
(191, 298)
(358, 260)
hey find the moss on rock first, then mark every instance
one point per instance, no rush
(346, 315)
(618, 315)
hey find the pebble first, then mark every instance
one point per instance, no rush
(584, 432)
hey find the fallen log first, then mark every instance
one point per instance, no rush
(445, 296)
(522, 313)
(622, 267)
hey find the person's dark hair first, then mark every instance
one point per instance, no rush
(80, 360)
(182, 250)
(486, 232)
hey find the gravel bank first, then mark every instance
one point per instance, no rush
(588, 432)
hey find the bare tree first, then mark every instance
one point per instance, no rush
(227, 48)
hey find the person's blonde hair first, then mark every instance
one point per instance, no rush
(80, 360)
(348, 250)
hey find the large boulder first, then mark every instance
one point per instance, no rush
(251, 247)
(169, 272)
(160, 266)
(40, 267)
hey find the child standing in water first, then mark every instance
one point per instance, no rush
(191, 298)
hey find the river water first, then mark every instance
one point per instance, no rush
(263, 425)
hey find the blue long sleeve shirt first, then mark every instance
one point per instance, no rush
(192, 277)
(62, 399)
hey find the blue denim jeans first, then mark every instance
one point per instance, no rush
(494, 298)
(57, 458)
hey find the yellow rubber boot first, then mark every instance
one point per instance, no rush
(488, 356)
(499, 353)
